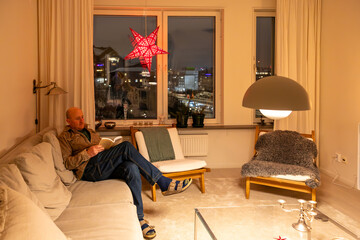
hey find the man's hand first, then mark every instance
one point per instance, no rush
(94, 150)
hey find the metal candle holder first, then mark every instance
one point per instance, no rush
(306, 214)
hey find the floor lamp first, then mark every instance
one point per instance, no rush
(276, 97)
(54, 90)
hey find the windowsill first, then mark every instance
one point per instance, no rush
(125, 129)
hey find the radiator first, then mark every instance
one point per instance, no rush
(194, 145)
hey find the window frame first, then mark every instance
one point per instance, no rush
(217, 61)
(162, 59)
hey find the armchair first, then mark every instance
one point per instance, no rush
(283, 159)
(178, 168)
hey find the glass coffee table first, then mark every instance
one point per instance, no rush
(266, 222)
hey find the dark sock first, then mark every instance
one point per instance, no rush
(163, 183)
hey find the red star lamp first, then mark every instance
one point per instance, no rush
(145, 48)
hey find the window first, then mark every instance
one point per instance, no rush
(264, 50)
(191, 64)
(123, 89)
(188, 75)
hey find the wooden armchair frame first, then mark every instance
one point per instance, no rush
(292, 185)
(194, 174)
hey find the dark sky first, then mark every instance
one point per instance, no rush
(190, 38)
(264, 35)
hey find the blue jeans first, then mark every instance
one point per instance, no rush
(123, 161)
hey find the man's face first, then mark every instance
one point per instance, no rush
(76, 119)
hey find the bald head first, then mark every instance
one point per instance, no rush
(75, 118)
(71, 111)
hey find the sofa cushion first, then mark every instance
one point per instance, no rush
(20, 218)
(179, 165)
(96, 193)
(107, 221)
(37, 168)
(12, 178)
(66, 176)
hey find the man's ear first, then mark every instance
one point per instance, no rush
(68, 121)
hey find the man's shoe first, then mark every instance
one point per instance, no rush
(147, 230)
(174, 188)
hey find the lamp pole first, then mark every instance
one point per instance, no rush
(37, 101)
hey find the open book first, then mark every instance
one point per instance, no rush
(110, 142)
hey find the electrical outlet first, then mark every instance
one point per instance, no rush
(344, 160)
(340, 158)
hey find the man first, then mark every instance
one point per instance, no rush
(90, 162)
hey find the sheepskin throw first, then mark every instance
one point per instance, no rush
(283, 153)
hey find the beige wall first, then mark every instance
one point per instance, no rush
(18, 67)
(228, 148)
(340, 88)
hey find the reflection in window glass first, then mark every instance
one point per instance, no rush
(191, 78)
(123, 88)
(265, 45)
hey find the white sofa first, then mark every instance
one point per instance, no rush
(40, 199)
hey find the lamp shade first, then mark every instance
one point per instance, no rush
(276, 93)
(55, 90)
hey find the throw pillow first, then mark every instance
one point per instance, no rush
(158, 144)
(11, 177)
(20, 218)
(66, 176)
(37, 168)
